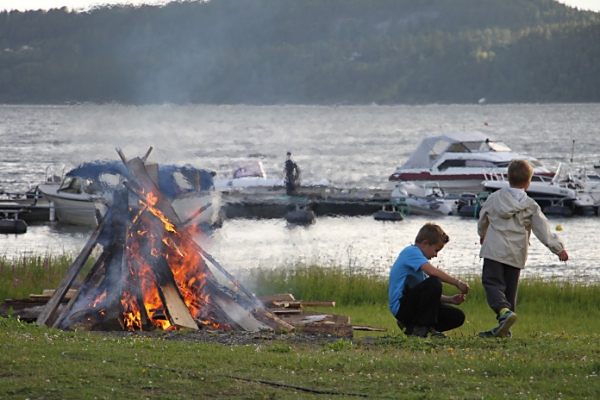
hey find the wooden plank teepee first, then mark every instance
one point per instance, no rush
(151, 274)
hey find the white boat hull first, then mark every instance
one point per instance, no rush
(536, 189)
(451, 186)
(249, 178)
(72, 210)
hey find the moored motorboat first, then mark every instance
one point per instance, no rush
(569, 192)
(70, 204)
(87, 191)
(458, 161)
(424, 199)
(249, 178)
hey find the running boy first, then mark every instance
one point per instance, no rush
(507, 219)
(415, 288)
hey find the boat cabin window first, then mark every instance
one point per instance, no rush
(450, 164)
(71, 185)
(477, 147)
(482, 163)
(186, 182)
(593, 177)
(111, 180)
(540, 178)
(458, 148)
(471, 164)
(438, 148)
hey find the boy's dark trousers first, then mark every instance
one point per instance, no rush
(420, 306)
(501, 282)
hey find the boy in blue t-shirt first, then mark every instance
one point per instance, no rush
(415, 288)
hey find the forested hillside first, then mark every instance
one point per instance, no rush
(303, 52)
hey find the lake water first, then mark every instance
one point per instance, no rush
(352, 146)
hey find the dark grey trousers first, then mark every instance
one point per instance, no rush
(501, 282)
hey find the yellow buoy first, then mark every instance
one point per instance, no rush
(558, 227)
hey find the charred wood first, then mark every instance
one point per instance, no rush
(272, 320)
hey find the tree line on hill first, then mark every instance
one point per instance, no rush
(303, 52)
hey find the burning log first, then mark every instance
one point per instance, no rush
(151, 273)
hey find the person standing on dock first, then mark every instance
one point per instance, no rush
(292, 173)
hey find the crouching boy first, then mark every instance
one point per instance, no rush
(415, 288)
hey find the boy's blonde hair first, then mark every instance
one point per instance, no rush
(519, 172)
(433, 233)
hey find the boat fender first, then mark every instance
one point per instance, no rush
(52, 217)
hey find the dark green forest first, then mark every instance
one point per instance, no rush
(303, 52)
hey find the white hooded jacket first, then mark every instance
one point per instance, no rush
(506, 220)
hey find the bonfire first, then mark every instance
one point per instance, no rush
(151, 273)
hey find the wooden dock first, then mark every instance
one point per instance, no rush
(30, 212)
(336, 204)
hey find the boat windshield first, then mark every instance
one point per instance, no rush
(70, 185)
(477, 147)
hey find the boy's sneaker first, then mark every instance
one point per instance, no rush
(492, 333)
(488, 334)
(506, 319)
(424, 331)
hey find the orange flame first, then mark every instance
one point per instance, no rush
(141, 301)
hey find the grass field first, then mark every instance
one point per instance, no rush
(554, 353)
